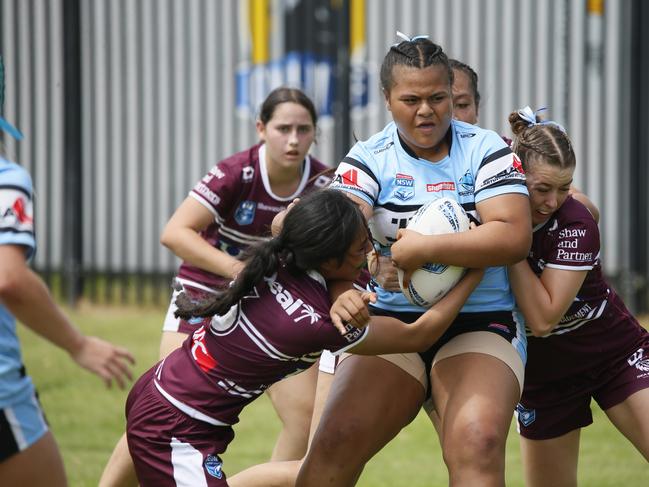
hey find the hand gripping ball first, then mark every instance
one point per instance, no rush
(431, 282)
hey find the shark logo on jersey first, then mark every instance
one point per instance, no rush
(525, 416)
(245, 213)
(466, 184)
(405, 186)
(213, 465)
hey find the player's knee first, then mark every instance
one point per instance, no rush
(339, 439)
(477, 443)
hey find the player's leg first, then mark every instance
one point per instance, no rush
(40, 465)
(28, 452)
(361, 397)
(475, 395)
(119, 470)
(551, 462)
(293, 399)
(631, 417)
(283, 474)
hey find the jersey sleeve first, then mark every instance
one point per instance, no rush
(218, 189)
(332, 340)
(356, 175)
(17, 209)
(576, 247)
(499, 170)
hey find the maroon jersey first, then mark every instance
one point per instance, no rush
(278, 330)
(569, 240)
(238, 194)
(597, 329)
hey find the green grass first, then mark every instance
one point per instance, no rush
(87, 419)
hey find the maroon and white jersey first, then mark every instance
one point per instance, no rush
(278, 330)
(238, 194)
(569, 240)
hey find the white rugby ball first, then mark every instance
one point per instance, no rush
(431, 282)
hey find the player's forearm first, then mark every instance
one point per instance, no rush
(194, 249)
(533, 299)
(494, 243)
(434, 322)
(30, 302)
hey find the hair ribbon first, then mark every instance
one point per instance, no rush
(404, 37)
(530, 117)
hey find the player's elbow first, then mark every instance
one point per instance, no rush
(10, 284)
(168, 238)
(540, 328)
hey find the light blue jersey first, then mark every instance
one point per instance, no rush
(16, 228)
(386, 174)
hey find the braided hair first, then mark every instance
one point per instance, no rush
(545, 142)
(321, 226)
(416, 53)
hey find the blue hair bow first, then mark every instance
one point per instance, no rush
(530, 117)
(404, 37)
(10, 129)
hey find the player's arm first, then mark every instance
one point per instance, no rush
(389, 335)
(349, 310)
(182, 236)
(25, 295)
(585, 200)
(504, 237)
(544, 300)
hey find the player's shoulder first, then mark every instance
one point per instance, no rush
(241, 159)
(472, 137)
(572, 212)
(14, 176)
(378, 143)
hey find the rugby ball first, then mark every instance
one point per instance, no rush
(431, 282)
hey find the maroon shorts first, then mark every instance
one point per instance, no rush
(168, 447)
(566, 371)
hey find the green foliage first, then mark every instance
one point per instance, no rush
(87, 419)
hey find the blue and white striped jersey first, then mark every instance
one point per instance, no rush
(386, 174)
(16, 228)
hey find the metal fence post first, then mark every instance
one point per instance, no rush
(73, 204)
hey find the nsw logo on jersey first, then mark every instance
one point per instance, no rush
(525, 416)
(405, 186)
(213, 465)
(245, 213)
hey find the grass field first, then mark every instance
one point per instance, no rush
(87, 419)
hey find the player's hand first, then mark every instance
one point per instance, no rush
(407, 251)
(108, 361)
(351, 308)
(386, 274)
